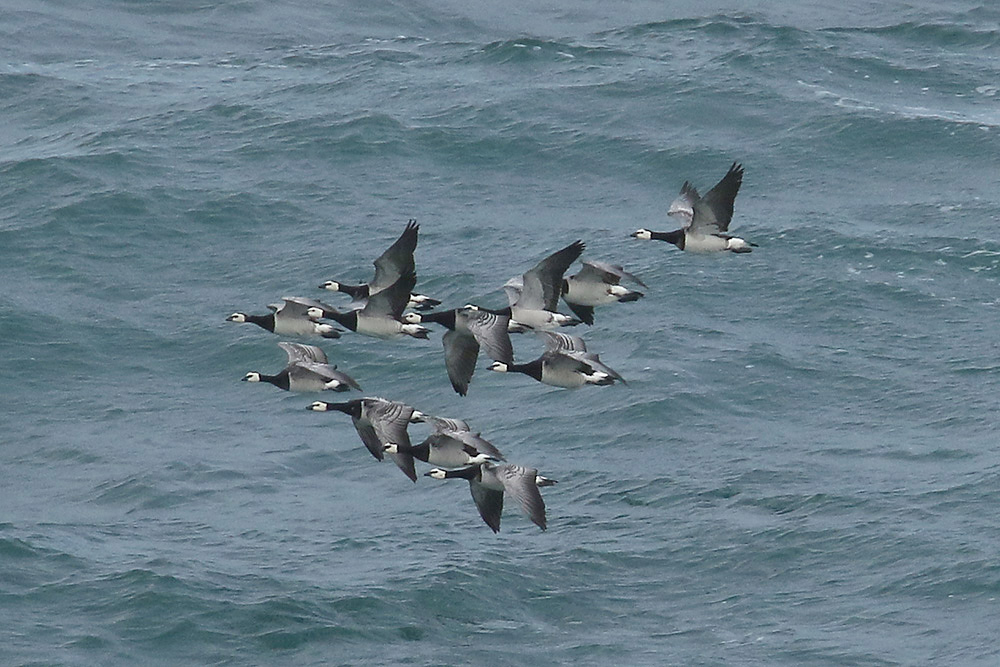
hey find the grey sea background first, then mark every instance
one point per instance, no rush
(804, 468)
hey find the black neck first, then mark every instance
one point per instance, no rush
(421, 451)
(470, 472)
(352, 408)
(445, 318)
(348, 319)
(675, 237)
(354, 291)
(532, 368)
(263, 321)
(280, 380)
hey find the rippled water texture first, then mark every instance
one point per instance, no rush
(802, 469)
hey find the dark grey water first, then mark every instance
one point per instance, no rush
(803, 468)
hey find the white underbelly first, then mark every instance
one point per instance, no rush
(705, 243)
(589, 295)
(379, 327)
(294, 326)
(561, 377)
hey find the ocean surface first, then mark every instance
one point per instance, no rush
(803, 469)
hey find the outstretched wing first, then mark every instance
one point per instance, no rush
(327, 372)
(460, 354)
(390, 419)
(519, 482)
(369, 437)
(397, 260)
(391, 302)
(478, 442)
(611, 274)
(489, 502)
(444, 424)
(491, 332)
(683, 206)
(543, 284)
(585, 313)
(556, 341)
(296, 306)
(299, 352)
(714, 211)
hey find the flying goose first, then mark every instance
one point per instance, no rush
(381, 316)
(534, 296)
(488, 482)
(468, 330)
(291, 318)
(565, 363)
(378, 422)
(595, 285)
(396, 261)
(308, 369)
(706, 219)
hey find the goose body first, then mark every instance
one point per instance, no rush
(308, 370)
(534, 296)
(395, 262)
(597, 284)
(565, 363)
(488, 482)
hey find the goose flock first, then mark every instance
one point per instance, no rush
(380, 309)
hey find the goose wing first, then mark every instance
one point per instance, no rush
(594, 362)
(585, 313)
(519, 482)
(612, 274)
(369, 437)
(397, 260)
(444, 424)
(460, 353)
(683, 206)
(327, 372)
(491, 332)
(296, 306)
(543, 284)
(299, 352)
(478, 442)
(391, 301)
(556, 341)
(567, 361)
(714, 211)
(513, 289)
(489, 502)
(390, 419)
